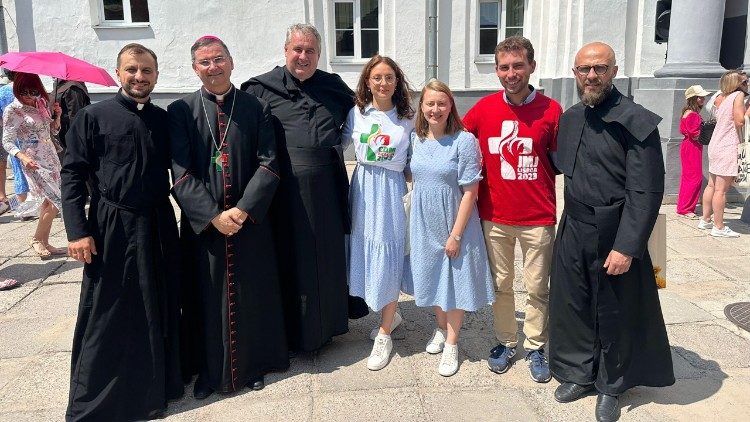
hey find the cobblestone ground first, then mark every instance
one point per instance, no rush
(710, 354)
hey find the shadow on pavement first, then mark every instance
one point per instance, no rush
(698, 381)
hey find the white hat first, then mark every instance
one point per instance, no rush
(696, 91)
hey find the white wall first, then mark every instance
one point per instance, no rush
(255, 31)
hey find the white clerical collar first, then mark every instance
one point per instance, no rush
(140, 106)
(529, 98)
(220, 97)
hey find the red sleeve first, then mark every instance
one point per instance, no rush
(691, 125)
(555, 127)
(470, 121)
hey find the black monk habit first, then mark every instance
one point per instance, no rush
(311, 211)
(125, 363)
(234, 307)
(608, 330)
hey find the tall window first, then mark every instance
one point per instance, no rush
(123, 11)
(498, 20)
(356, 26)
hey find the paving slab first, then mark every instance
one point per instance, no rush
(478, 405)
(709, 346)
(43, 387)
(677, 310)
(382, 405)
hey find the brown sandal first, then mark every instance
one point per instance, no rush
(40, 249)
(57, 251)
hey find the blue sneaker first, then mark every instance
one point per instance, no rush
(538, 366)
(500, 358)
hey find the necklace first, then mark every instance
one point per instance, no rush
(220, 157)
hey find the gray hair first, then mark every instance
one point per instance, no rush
(304, 29)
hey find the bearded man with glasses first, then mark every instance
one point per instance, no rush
(606, 327)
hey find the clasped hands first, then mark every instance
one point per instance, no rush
(230, 221)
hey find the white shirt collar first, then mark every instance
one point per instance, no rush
(526, 100)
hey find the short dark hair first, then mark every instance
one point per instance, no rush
(515, 43)
(28, 81)
(137, 49)
(207, 40)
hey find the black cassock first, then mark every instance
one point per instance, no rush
(311, 211)
(608, 330)
(125, 363)
(233, 318)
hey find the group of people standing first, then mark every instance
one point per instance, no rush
(259, 270)
(728, 110)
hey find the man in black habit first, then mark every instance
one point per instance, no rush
(311, 211)
(225, 175)
(606, 327)
(125, 361)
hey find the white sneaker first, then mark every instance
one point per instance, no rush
(703, 224)
(396, 322)
(725, 232)
(437, 341)
(449, 360)
(381, 353)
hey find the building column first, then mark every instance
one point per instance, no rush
(694, 40)
(746, 61)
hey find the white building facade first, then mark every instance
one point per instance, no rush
(706, 37)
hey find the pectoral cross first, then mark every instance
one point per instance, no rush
(220, 159)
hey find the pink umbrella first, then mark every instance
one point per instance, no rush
(56, 65)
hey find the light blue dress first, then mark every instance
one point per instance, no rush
(378, 269)
(439, 168)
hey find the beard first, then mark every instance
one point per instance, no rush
(137, 94)
(596, 97)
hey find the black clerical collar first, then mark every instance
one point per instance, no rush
(217, 97)
(294, 84)
(130, 103)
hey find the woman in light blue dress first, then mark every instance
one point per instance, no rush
(379, 126)
(448, 256)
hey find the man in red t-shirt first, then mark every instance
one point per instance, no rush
(517, 130)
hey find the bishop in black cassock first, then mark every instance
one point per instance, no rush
(125, 362)
(606, 330)
(224, 166)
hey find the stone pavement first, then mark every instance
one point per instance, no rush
(711, 357)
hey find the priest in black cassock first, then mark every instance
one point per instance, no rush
(606, 327)
(125, 361)
(311, 211)
(225, 176)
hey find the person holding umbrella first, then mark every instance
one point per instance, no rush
(27, 135)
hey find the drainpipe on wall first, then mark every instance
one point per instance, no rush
(3, 38)
(432, 33)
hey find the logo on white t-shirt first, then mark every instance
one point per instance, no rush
(517, 158)
(378, 144)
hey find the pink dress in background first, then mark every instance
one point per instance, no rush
(691, 157)
(722, 150)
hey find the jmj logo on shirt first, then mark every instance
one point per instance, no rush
(517, 159)
(378, 148)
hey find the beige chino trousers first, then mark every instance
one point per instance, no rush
(536, 246)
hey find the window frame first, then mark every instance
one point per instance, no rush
(501, 29)
(98, 20)
(357, 28)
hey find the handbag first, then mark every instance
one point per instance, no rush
(707, 130)
(743, 157)
(407, 208)
(657, 249)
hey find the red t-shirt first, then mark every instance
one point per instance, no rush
(518, 187)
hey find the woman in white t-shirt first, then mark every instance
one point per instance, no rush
(379, 126)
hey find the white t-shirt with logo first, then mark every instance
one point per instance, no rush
(380, 138)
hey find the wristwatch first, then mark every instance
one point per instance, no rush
(456, 237)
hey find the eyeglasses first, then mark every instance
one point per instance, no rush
(389, 79)
(217, 61)
(584, 69)
(30, 93)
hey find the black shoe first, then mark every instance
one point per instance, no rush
(607, 408)
(568, 392)
(256, 385)
(201, 391)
